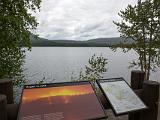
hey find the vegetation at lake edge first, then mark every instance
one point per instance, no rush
(16, 24)
(141, 22)
(94, 70)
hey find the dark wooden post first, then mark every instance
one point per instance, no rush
(137, 78)
(6, 88)
(150, 98)
(3, 107)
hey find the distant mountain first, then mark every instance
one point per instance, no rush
(110, 41)
(98, 42)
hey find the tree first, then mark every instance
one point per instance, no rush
(16, 24)
(93, 70)
(141, 22)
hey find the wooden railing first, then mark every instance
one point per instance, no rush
(148, 91)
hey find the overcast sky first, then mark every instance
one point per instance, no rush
(79, 19)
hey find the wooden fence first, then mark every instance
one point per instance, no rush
(148, 91)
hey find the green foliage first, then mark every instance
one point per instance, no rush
(142, 23)
(16, 24)
(94, 70)
(11, 61)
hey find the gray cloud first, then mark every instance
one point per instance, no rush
(79, 19)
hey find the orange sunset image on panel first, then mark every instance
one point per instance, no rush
(69, 102)
(38, 93)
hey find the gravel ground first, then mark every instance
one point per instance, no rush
(111, 116)
(159, 106)
(159, 111)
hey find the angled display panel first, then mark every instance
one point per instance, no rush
(121, 97)
(60, 101)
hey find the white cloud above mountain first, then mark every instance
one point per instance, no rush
(79, 19)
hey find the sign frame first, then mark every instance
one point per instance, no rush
(106, 97)
(58, 84)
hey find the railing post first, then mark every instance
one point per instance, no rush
(137, 78)
(150, 97)
(6, 88)
(3, 107)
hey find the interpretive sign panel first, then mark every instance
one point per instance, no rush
(60, 101)
(121, 97)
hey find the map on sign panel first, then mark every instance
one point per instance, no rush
(121, 96)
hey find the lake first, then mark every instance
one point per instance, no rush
(58, 64)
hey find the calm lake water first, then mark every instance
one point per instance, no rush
(58, 64)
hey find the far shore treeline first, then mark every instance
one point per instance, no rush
(98, 42)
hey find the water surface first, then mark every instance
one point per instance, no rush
(58, 64)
